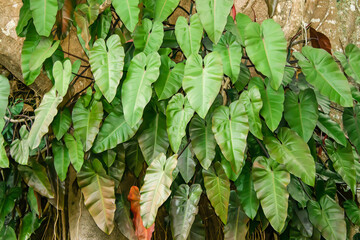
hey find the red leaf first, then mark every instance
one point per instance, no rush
(140, 231)
(64, 18)
(320, 40)
(233, 12)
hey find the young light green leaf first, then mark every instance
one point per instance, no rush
(322, 71)
(44, 115)
(183, 209)
(128, 12)
(107, 62)
(19, 149)
(76, 152)
(4, 95)
(352, 211)
(202, 84)
(230, 127)
(44, 15)
(331, 128)
(242, 20)
(300, 111)
(270, 182)
(350, 61)
(163, 9)
(148, 36)
(62, 75)
(189, 36)
(61, 123)
(213, 15)
(43, 50)
(231, 53)
(61, 159)
(217, 187)
(351, 122)
(156, 188)
(178, 115)
(87, 122)
(266, 47)
(136, 90)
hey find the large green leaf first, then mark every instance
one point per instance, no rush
(61, 123)
(331, 128)
(300, 111)
(4, 95)
(266, 47)
(343, 163)
(253, 104)
(8, 197)
(62, 76)
(322, 71)
(230, 127)
(99, 194)
(217, 187)
(114, 131)
(43, 50)
(123, 218)
(189, 36)
(236, 227)
(231, 53)
(245, 189)
(128, 12)
(29, 223)
(186, 162)
(163, 8)
(300, 220)
(156, 188)
(270, 182)
(272, 102)
(44, 115)
(299, 192)
(352, 211)
(170, 78)
(178, 115)
(134, 157)
(328, 217)
(148, 36)
(202, 84)
(242, 20)
(154, 140)
(294, 153)
(76, 150)
(61, 159)
(87, 122)
(350, 61)
(19, 149)
(24, 17)
(183, 209)
(202, 140)
(136, 90)
(44, 15)
(107, 62)
(213, 15)
(351, 122)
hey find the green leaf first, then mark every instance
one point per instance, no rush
(300, 111)
(117, 169)
(253, 104)
(272, 102)
(270, 182)
(107, 62)
(299, 191)
(29, 223)
(76, 152)
(170, 78)
(352, 211)
(246, 192)
(114, 131)
(134, 157)
(31, 198)
(24, 17)
(99, 194)
(4, 95)
(227, 168)
(230, 127)
(44, 15)
(61, 159)
(178, 115)
(183, 209)
(213, 15)
(202, 140)
(108, 157)
(36, 177)
(242, 20)
(294, 153)
(331, 128)
(163, 9)
(231, 54)
(288, 76)
(123, 218)
(236, 227)
(351, 122)
(186, 163)
(217, 187)
(87, 122)
(148, 36)
(156, 188)
(189, 36)
(243, 78)
(343, 163)
(8, 197)
(322, 71)
(197, 231)
(61, 123)
(301, 221)
(44, 115)
(328, 217)
(9, 234)
(266, 47)
(62, 75)
(136, 90)
(202, 84)
(128, 12)
(43, 50)
(19, 149)
(4, 161)
(154, 140)
(350, 61)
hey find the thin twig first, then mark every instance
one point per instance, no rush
(82, 59)
(26, 118)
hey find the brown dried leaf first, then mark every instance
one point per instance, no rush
(320, 40)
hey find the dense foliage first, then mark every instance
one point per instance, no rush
(215, 107)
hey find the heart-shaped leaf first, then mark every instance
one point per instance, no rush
(351, 122)
(163, 8)
(62, 76)
(19, 149)
(61, 123)
(350, 61)
(76, 150)
(44, 15)
(352, 211)
(43, 50)
(128, 12)
(148, 36)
